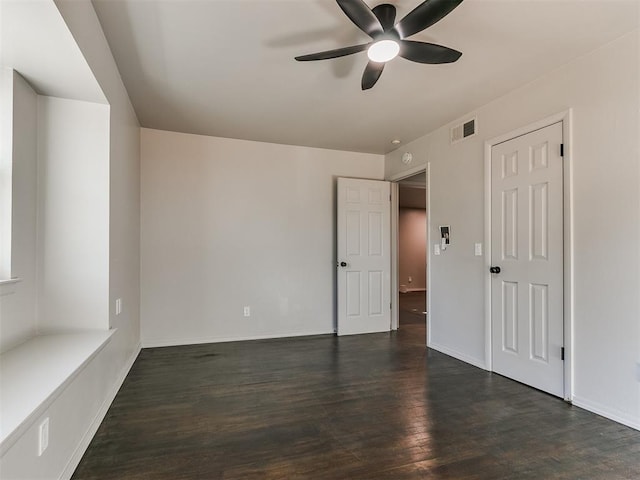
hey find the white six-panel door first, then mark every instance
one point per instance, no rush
(527, 246)
(364, 256)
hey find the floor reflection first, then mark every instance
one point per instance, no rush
(368, 407)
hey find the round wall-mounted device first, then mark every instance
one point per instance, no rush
(407, 158)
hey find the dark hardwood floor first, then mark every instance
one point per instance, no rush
(412, 306)
(378, 406)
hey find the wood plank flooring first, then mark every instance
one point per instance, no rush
(378, 406)
(411, 307)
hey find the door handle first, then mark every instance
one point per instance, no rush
(342, 264)
(494, 269)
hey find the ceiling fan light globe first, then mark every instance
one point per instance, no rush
(383, 51)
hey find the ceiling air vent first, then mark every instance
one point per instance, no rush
(463, 130)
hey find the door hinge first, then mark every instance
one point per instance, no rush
(390, 306)
(562, 149)
(562, 353)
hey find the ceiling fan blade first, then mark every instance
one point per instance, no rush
(371, 74)
(338, 52)
(386, 14)
(363, 17)
(423, 52)
(424, 15)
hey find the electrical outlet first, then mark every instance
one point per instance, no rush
(247, 311)
(43, 436)
(478, 250)
(436, 249)
(118, 306)
(410, 279)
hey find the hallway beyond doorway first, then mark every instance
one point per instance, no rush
(412, 307)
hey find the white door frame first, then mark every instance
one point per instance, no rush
(395, 284)
(565, 118)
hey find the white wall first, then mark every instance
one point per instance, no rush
(603, 90)
(124, 176)
(79, 410)
(73, 214)
(412, 247)
(60, 221)
(18, 309)
(228, 223)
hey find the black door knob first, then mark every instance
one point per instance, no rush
(343, 264)
(494, 269)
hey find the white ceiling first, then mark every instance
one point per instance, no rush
(225, 67)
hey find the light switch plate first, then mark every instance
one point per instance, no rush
(478, 250)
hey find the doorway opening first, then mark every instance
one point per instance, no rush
(411, 252)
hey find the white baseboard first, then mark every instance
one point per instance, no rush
(607, 412)
(97, 420)
(174, 342)
(458, 355)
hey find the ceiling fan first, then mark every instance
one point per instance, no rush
(389, 38)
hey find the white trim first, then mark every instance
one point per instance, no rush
(428, 256)
(395, 207)
(565, 117)
(567, 139)
(395, 281)
(9, 281)
(488, 356)
(458, 355)
(518, 132)
(84, 442)
(607, 412)
(8, 286)
(174, 342)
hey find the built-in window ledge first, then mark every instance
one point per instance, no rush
(35, 373)
(8, 285)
